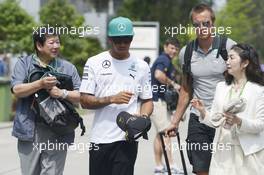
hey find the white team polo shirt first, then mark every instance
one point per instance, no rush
(105, 76)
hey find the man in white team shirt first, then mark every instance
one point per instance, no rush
(112, 82)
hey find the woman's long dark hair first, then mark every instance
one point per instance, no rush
(253, 69)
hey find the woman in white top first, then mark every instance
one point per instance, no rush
(238, 114)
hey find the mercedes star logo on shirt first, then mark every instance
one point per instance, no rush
(106, 64)
(121, 27)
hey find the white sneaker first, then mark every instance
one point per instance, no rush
(159, 170)
(176, 171)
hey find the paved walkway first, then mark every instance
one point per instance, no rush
(77, 160)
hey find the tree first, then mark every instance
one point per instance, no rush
(167, 12)
(236, 15)
(15, 29)
(60, 14)
(259, 29)
(79, 49)
(244, 16)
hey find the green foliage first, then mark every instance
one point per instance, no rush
(244, 16)
(167, 12)
(59, 13)
(79, 49)
(236, 14)
(258, 31)
(15, 29)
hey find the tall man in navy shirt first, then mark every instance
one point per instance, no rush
(161, 76)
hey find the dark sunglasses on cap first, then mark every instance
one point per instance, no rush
(205, 24)
(122, 39)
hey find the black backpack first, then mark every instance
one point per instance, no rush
(59, 114)
(219, 43)
(171, 97)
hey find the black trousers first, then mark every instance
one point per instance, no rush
(199, 144)
(116, 158)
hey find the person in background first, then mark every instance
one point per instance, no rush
(161, 76)
(3, 65)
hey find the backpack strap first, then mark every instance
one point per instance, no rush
(186, 68)
(216, 44)
(222, 48)
(219, 43)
